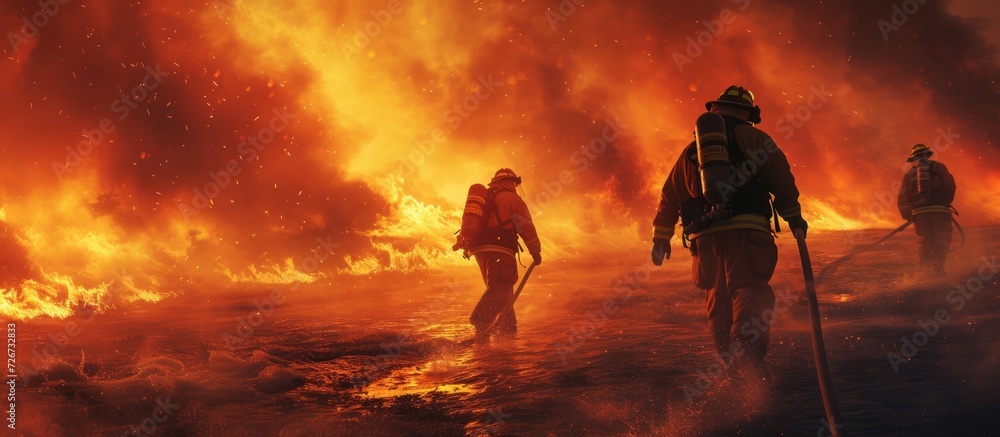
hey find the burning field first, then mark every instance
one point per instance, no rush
(236, 217)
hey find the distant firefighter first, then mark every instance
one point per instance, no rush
(721, 187)
(925, 198)
(494, 218)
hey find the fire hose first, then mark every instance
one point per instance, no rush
(960, 232)
(827, 268)
(838, 261)
(819, 349)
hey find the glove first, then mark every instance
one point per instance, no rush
(798, 222)
(661, 250)
(537, 258)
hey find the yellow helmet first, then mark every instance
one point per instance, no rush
(734, 96)
(505, 174)
(739, 97)
(919, 150)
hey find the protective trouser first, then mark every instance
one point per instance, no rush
(734, 267)
(500, 274)
(934, 229)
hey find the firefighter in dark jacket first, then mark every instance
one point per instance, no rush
(507, 217)
(734, 252)
(925, 198)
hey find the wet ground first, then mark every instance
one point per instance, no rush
(606, 347)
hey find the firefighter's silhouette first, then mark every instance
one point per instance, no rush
(721, 188)
(925, 198)
(494, 219)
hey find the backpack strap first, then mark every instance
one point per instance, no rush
(492, 211)
(736, 154)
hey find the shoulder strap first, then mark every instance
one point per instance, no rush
(491, 206)
(691, 153)
(936, 168)
(735, 151)
(736, 154)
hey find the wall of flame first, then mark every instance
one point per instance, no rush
(391, 109)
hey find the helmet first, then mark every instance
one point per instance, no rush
(739, 97)
(919, 150)
(505, 174)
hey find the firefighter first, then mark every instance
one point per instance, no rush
(925, 198)
(507, 217)
(732, 242)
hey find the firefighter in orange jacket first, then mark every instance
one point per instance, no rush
(734, 253)
(507, 217)
(925, 198)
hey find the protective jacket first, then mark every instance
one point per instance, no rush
(938, 197)
(760, 170)
(506, 217)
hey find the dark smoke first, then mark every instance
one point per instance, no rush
(591, 65)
